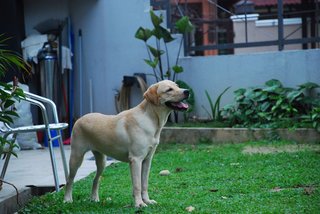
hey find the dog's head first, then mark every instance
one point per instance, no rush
(167, 93)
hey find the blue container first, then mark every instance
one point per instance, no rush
(55, 143)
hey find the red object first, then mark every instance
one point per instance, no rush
(40, 136)
(274, 2)
(67, 141)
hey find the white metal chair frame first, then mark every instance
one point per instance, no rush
(47, 127)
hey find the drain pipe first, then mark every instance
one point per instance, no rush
(71, 75)
(80, 74)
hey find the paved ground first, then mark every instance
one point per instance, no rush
(33, 167)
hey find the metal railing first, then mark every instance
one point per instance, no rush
(308, 40)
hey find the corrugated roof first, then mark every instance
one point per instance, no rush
(274, 2)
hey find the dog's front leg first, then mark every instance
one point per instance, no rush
(145, 180)
(135, 169)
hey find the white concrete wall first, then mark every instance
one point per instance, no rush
(111, 51)
(37, 11)
(109, 48)
(215, 73)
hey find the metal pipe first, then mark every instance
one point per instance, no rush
(280, 25)
(246, 22)
(317, 14)
(71, 76)
(80, 74)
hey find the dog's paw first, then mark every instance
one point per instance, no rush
(95, 199)
(140, 204)
(149, 201)
(67, 200)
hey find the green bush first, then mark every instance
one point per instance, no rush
(274, 106)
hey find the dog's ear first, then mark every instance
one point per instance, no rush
(151, 95)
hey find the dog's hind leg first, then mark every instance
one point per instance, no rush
(101, 163)
(76, 159)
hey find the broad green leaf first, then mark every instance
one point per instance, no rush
(168, 74)
(314, 116)
(249, 111)
(262, 97)
(6, 119)
(293, 95)
(239, 92)
(165, 34)
(273, 82)
(19, 92)
(273, 89)
(143, 34)
(157, 32)
(8, 103)
(155, 52)
(10, 113)
(250, 94)
(177, 69)
(309, 86)
(184, 25)
(14, 154)
(154, 63)
(265, 106)
(156, 20)
(279, 102)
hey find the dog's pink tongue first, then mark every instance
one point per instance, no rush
(182, 105)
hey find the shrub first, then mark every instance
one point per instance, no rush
(274, 106)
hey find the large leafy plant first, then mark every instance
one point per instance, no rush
(274, 105)
(156, 40)
(9, 60)
(162, 36)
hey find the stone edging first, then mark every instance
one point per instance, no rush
(189, 135)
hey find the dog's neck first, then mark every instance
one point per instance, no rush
(161, 116)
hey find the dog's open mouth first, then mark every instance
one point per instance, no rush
(180, 106)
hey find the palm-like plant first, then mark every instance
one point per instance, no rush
(9, 60)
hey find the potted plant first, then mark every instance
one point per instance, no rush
(8, 94)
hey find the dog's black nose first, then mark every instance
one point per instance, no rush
(186, 92)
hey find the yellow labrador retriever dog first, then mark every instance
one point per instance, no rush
(131, 136)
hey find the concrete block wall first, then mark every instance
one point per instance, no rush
(215, 73)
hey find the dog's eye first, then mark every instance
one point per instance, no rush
(169, 89)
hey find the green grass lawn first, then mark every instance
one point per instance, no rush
(211, 178)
